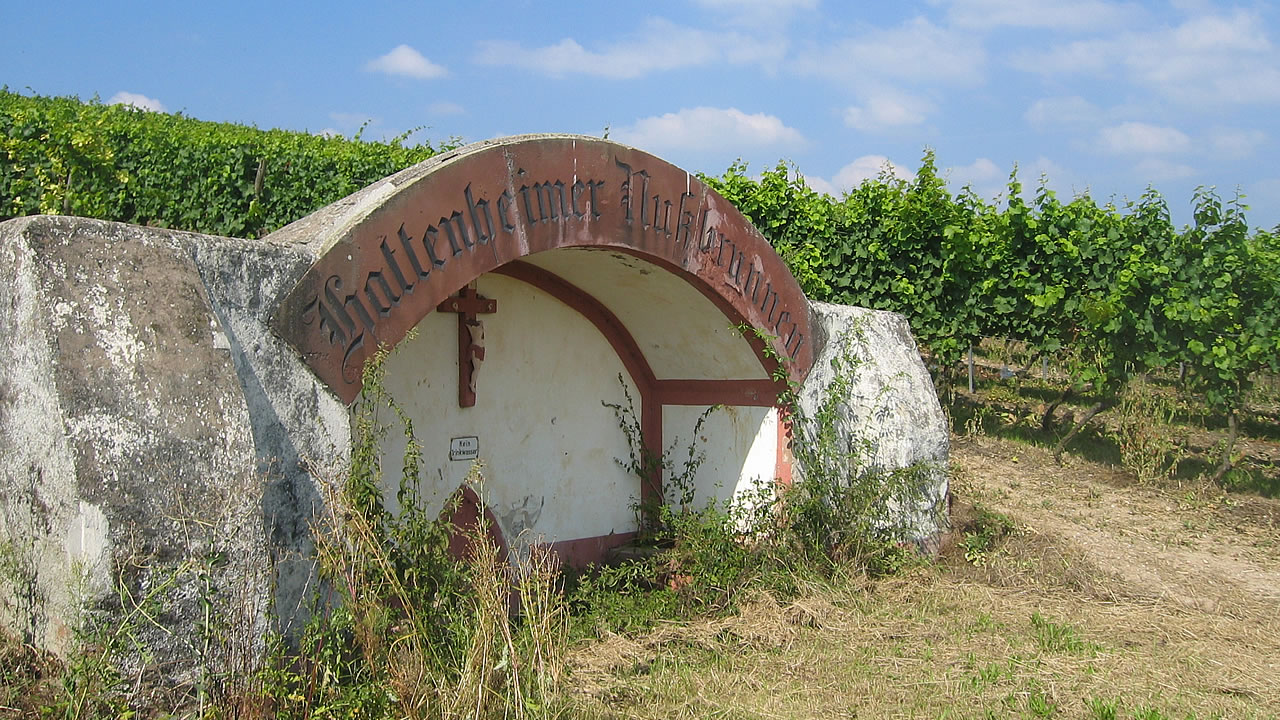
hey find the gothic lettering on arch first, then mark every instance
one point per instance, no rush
(506, 206)
(551, 205)
(580, 204)
(684, 218)
(496, 204)
(455, 228)
(478, 210)
(342, 319)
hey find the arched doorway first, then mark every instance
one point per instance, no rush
(548, 278)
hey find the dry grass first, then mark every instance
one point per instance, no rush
(957, 641)
(28, 678)
(500, 672)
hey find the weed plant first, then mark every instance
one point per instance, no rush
(988, 529)
(1146, 434)
(844, 515)
(1057, 637)
(405, 629)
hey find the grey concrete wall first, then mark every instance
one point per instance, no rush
(153, 441)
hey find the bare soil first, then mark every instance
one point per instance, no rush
(1106, 596)
(1196, 548)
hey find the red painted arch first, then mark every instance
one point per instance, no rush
(654, 393)
(439, 226)
(463, 520)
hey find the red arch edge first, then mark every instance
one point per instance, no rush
(654, 393)
(624, 345)
(470, 499)
(295, 318)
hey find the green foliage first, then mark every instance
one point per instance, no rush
(1112, 293)
(407, 629)
(888, 244)
(624, 598)
(1058, 637)
(1219, 313)
(845, 509)
(846, 514)
(59, 155)
(984, 534)
(1103, 709)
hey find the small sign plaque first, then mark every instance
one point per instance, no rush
(464, 448)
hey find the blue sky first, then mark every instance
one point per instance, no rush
(1105, 96)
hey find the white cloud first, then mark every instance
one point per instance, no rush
(637, 56)
(1159, 169)
(1072, 111)
(707, 128)
(1053, 174)
(1241, 31)
(1236, 143)
(142, 102)
(1048, 14)
(328, 133)
(1208, 58)
(916, 50)
(1080, 56)
(980, 172)
(444, 107)
(404, 60)
(758, 13)
(887, 110)
(822, 187)
(850, 176)
(1136, 137)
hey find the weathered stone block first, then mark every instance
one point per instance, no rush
(887, 405)
(145, 487)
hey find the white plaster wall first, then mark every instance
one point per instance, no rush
(740, 445)
(549, 445)
(682, 334)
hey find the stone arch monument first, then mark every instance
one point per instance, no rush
(172, 403)
(567, 265)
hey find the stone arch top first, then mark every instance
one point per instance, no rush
(391, 253)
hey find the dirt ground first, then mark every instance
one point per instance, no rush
(1108, 599)
(1198, 549)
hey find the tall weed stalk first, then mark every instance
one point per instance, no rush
(1147, 435)
(409, 630)
(844, 514)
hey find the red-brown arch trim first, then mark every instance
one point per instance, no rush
(384, 264)
(623, 343)
(654, 393)
(464, 517)
(588, 306)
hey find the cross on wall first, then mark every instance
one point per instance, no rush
(468, 304)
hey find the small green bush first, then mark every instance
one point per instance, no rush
(845, 514)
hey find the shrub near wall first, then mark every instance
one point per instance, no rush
(114, 162)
